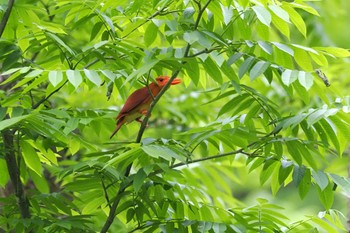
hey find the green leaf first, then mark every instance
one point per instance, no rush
(325, 225)
(4, 178)
(304, 185)
(320, 59)
(302, 58)
(35, 83)
(74, 77)
(31, 158)
(285, 170)
(337, 52)
(34, 73)
(150, 34)
(100, 44)
(12, 121)
(302, 92)
(263, 15)
(321, 179)
(158, 151)
(305, 79)
(343, 129)
(294, 152)
(191, 37)
(55, 77)
(232, 104)
(39, 182)
(267, 171)
(277, 10)
(305, 7)
(289, 76)
(12, 71)
(265, 46)
(331, 133)
(326, 196)
(212, 69)
(93, 77)
(109, 74)
(95, 30)
(192, 70)
(234, 58)
(227, 12)
(296, 19)
(298, 174)
(281, 25)
(316, 116)
(307, 49)
(284, 48)
(139, 178)
(143, 69)
(258, 69)
(60, 42)
(245, 66)
(342, 182)
(109, 22)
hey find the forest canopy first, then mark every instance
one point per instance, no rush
(255, 138)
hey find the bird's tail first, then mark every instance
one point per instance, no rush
(119, 124)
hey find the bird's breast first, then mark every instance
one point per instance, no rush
(137, 112)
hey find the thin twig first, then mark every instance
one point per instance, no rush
(47, 97)
(105, 192)
(147, 20)
(204, 51)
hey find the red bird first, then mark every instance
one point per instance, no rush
(139, 101)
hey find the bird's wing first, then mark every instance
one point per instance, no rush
(137, 98)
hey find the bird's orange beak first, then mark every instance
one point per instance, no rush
(176, 81)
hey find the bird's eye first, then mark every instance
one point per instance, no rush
(161, 80)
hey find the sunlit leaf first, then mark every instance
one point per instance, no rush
(93, 77)
(263, 15)
(305, 79)
(55, 77)
(258, 69)
(31, 157)
(280, 12)
(74, 77)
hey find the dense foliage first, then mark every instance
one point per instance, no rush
(256, 114)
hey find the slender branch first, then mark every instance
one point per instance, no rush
(217, 156)
(147, 20)
(6, 16)
(105, 191)
(204, 51)
(47, 97)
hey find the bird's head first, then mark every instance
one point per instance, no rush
(162, 80)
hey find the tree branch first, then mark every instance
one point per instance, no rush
(14, 172)
(6, 16)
